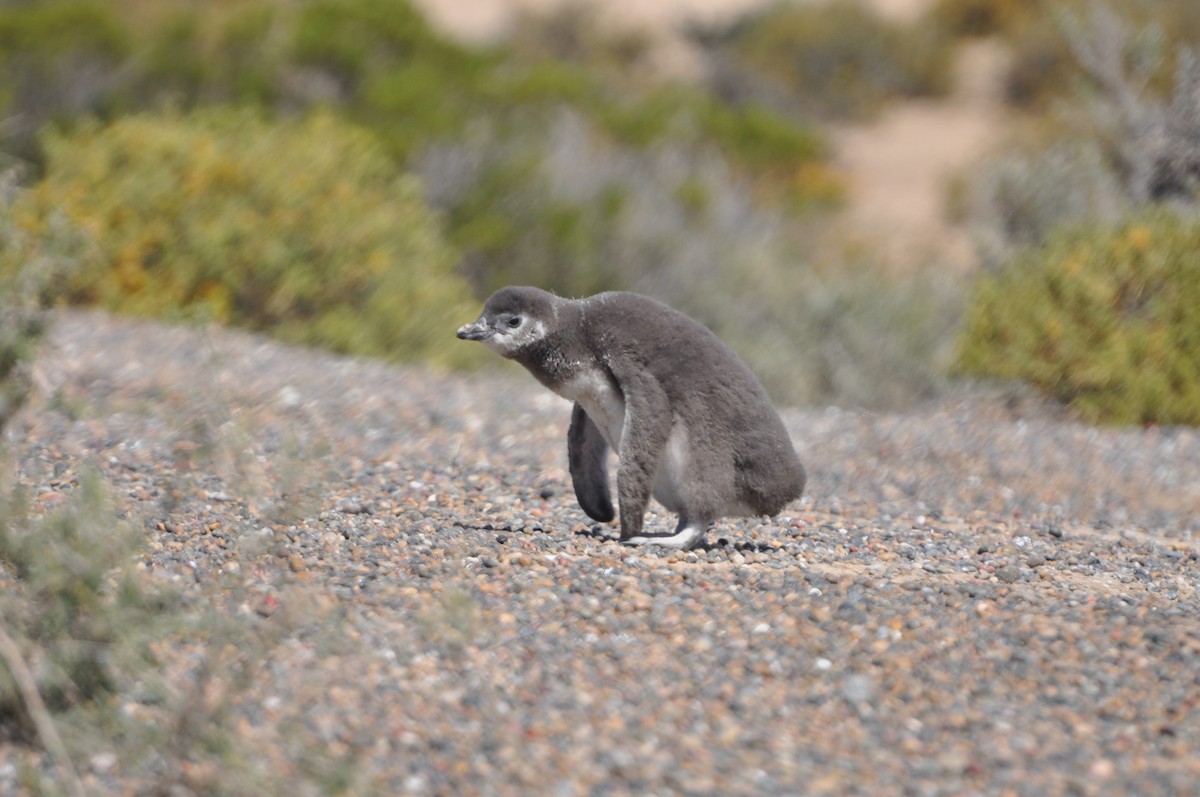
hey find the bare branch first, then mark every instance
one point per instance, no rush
(11, 654)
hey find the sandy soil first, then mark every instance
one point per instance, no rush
(900, 165)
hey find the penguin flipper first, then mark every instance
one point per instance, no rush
(587, 457)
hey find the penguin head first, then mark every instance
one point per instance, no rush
(512, 319)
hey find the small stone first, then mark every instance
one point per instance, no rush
(349, 506)
(1035, 560)
(267, 605)
(858, 689)
(289, 397)
(102, 763)
(1009, 574)
(296, 563)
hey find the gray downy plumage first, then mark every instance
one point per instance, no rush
(690, 422)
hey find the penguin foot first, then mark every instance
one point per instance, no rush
(684, 539)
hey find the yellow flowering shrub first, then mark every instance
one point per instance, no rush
(303, 229)
(1101, 318)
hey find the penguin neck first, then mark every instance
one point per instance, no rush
(560, 355)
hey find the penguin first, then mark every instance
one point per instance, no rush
(690, 423)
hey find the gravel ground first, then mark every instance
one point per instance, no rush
(977, 597)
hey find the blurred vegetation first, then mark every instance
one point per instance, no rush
(1102, 318)
(836, 59)
(556, 159)
(302, 229)
(1043, 39)
(1090, 233)
(377, 61)
(1019, 198)
(542, 163)
(111, 673)
(982, 17)
(33, 269)
(1124, 137)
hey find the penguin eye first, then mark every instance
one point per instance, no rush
(514, 322)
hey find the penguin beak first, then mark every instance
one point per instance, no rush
(476, 331)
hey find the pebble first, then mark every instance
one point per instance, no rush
(1008, 574)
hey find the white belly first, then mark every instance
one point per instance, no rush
(601, 401)
(672, 468)
(606, 407)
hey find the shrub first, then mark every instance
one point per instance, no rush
(858, 336)
(303, 229)
(215, 52)
(837, 59)
(1019, 200)
(1101, 318)
(1153, 136)
(1046, 44)
(1124, 144)
(32, 270)
(56, 58)
(576, 33)
(575, 213)
(980, 17)
(678, 226)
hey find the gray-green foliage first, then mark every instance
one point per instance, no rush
(84, 616)
(1092, 243)
(1129, 138)
(837, 59)
(574, 212)
(678, 225)
(1018, 199)
(32, 271)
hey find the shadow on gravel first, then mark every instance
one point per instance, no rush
(601, 534)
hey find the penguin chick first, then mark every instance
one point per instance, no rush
(690, 423)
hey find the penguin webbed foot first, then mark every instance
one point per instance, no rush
(687, 535)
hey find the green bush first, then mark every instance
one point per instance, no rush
(1101, 318)
(838, 59)
(56, 58)
(572, 212)
(215, 52)
(380, 65)
(303, 229)
(576, 33)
